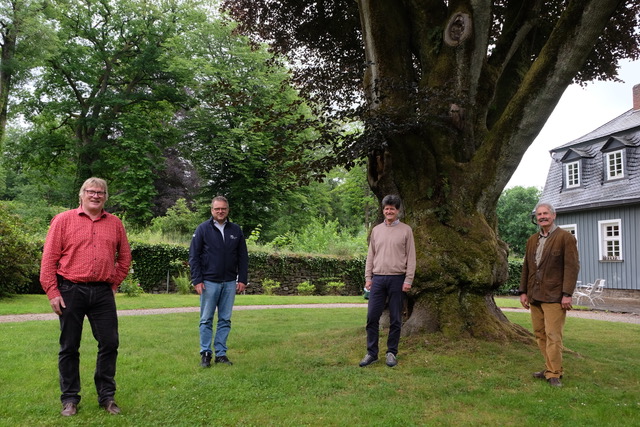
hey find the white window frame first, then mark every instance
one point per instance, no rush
(614, 165)
(571, 228)
(572, 174)
(610, 240)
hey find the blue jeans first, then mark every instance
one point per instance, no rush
(98, 304)
(220, 295)
(383, 288)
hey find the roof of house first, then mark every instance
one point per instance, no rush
(595, 191)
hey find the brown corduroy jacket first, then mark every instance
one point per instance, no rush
(558, 270)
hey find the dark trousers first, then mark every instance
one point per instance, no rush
(97, 302)
(383, 288)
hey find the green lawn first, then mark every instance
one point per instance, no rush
(24, 304)
(298, 367)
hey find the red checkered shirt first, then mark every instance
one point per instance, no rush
(84, 250)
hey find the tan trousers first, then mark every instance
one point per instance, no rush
(548, 323)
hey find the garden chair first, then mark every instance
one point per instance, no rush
(582, 292)
(589, 291)
(598, 289)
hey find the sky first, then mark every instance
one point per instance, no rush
(580, 110)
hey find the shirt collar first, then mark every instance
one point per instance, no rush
(393, 224)
(553, 228)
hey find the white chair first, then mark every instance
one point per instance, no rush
(592, 292)
(596, 294)
(582, 292)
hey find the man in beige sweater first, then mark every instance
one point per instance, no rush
(389, 272)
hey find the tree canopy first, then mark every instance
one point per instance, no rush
(451, 94)
(514, 217)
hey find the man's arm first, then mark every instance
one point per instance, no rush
(195, 249)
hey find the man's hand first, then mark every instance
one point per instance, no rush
(57, 304)
(406, 287)
(199, 288)
(566, 303)
(240, 287)
(524, 300)
(367, 285)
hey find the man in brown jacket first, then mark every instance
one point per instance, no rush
(549, 275)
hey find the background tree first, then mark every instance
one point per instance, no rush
(25, 38)
(454, 93)
(240, 134)
(514, 217)
(103, 97)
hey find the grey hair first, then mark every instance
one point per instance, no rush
(546, 205)
(393, 200)
(219, 199)
(94, 182)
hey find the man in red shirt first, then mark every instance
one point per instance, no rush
(86, 257)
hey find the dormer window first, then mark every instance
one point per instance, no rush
(614, 164)
(572, 174)
(573, 162)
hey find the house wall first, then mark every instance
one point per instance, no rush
(622, 275)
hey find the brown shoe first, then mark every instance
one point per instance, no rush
(554, 382)
(111, 407)
(69, 409)
(539, 375)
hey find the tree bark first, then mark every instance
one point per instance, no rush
(461, 124)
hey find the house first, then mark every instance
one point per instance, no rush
(594, 184)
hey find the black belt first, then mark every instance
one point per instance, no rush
(69, 282)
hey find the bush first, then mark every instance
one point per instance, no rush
(179, 220)
(19, 256)
(131, 288)
(336, 288)
(269, 286)
(183, 283)
(510, 287)
(306, 288)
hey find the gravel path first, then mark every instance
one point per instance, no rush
(595, 315)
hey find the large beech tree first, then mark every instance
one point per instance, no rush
(451, 93)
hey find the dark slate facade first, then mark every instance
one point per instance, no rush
(594, 184)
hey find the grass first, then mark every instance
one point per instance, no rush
(299, 367)
(27, 304)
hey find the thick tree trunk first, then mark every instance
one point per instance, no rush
(449, 124)
(460, 260)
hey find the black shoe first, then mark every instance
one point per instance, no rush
(554, 382)
(223, 359)
(539, 375)
(206, 359)
(69, 409)
(111, 407)
(368, 360)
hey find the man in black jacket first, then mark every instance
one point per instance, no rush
(219, 267)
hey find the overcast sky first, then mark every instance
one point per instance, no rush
(579, 111)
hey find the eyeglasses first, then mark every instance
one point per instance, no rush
(96, 193)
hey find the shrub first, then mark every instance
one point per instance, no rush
(336, 288)
(19, 256)
(183, 283)
(179, 219)
(269, 286)
(306, 288)
(510, 287)
(131, 287)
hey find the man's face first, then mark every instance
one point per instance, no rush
(390, 213)
(544, 217)
(220, 211)
(93, 198)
